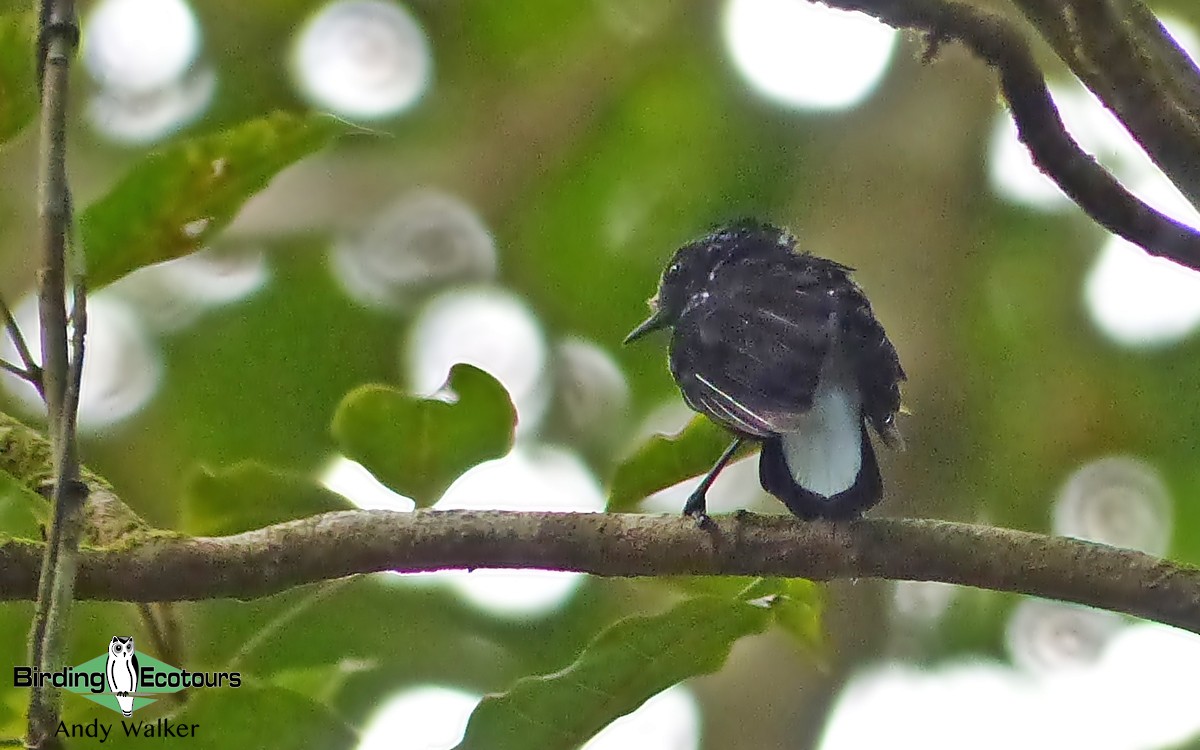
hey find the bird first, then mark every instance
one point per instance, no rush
(781, 347)
(122, 671)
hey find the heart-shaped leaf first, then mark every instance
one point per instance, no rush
(176, 199)
(630, 662)
(666, 460)
(419, 446)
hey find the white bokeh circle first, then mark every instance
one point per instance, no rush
(121, 371)
(487, 327)
(138, 46)
(363, 59)
(805, 55)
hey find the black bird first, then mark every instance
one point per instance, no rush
(781, 347)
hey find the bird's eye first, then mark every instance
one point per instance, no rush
(673, 269)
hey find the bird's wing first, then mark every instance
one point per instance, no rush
(749, 354)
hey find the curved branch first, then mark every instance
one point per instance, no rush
(333, 545)
(1039, 125)
(1121, 51)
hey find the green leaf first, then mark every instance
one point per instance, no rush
(798, 603)
(175, 200)
(248, 496)
(630, 662)
(417, 446)
(799, 611)
(666, 460)
(18, 75)
(259, 716)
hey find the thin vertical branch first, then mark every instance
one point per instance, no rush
(61, 373)
(58, 37)
(78, 323)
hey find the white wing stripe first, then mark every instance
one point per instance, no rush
(750, 422)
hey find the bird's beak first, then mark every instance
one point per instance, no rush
(656, 321)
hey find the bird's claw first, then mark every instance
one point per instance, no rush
(696, 507)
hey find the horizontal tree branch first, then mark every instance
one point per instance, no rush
(1039, 126)
(332, 545)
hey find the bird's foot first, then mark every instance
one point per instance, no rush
(697, 508)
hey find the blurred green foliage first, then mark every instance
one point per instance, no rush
(248, 496)
(18, 89)
(592, 138)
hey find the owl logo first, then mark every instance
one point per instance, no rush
(122, 671)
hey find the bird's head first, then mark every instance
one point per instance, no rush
(692, 267)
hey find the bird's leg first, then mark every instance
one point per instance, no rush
(697, 502)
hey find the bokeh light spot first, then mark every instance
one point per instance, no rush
(804, 55)
(138, 46)
(1139, 300)
(667, 721)
(591, 392)
(489, 328)
(429, 717)
(172, 295)
(1137, 695)
(1043, 636)
(540, 478)
(433, 717)
(1117, 500)
(352, 481)
(143, 56)
(121, 372)
(363, 59)
(147, 117)
(423, 241)
(922, 601)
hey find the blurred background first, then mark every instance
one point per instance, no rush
(532, 164)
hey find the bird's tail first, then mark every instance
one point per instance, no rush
(818, 477)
